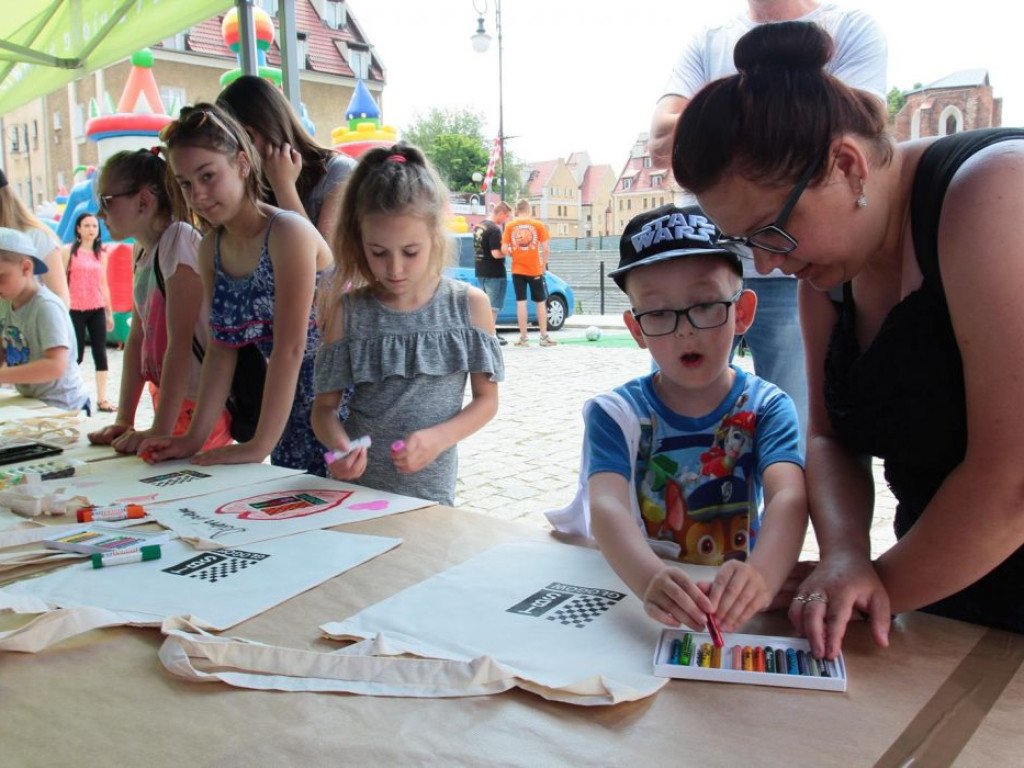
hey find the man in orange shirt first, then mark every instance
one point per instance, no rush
(526, 240)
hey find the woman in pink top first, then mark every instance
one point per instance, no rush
(85, 264)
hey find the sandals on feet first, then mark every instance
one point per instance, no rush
(547, 341)
(523, 342)
(106, 406)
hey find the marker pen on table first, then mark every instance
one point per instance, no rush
(360, 442)
(111, 514)
(107, 559)
(398, 445)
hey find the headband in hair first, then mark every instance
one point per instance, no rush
(156, 150)
(396, 158)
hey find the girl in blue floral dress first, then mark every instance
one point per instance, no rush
(259, 267)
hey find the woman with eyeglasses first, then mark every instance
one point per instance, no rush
(910, 300)
(169, 328)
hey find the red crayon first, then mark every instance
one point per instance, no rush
(759, 659)
(716, 634)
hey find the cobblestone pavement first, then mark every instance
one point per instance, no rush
(526, 460)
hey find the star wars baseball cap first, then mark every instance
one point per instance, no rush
(667, 233)
(13, 241)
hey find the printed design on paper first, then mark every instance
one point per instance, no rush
(216, 566)
(277, 505)
(174, 478)
(569, 605)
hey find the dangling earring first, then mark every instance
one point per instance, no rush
(862, 201)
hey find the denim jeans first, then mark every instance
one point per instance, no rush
(776, 344)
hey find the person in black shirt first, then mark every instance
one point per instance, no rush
(490, 261)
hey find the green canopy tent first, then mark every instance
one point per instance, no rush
(45, 44)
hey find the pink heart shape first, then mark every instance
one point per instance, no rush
(371, 505)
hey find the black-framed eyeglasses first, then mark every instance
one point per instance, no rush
(773, 238)
(106, 200)
(707, 314)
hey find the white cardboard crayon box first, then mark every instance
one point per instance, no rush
(831, 674)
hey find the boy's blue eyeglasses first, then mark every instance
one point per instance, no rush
(773, 238)
(707, 314)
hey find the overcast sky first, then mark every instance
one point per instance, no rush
(584, 74)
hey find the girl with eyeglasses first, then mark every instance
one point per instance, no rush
(169, 329)
(259, 267)
(910, 307)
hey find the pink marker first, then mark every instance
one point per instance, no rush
(398, 445)
(362, 442)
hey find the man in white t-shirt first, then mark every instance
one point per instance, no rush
(859, 60)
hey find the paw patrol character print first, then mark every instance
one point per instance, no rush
(733, 440)
(16, 351)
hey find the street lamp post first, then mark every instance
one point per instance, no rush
(481, 42)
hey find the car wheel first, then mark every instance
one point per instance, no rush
(558, 311)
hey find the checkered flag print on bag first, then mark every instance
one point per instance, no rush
(568, 604)
(212, 567)
(581, 610)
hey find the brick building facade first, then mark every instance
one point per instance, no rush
(962, 101)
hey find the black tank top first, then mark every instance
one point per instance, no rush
(903, 398)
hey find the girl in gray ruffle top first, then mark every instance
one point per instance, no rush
(402, 334)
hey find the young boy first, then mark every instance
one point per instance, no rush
(677, 462)
(38, 340)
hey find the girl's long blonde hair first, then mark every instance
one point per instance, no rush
(14, 214)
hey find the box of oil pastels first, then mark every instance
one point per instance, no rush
(752, 659)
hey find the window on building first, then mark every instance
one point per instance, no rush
(645, 203)
(647, 161)
(656, 180)
(56, 121)
(173, 98)
(175, 42)
(78, 122)
(335, 14)
(301, 50)
(627, 183)
(15, 141)
(35, 134)
(359, 61)
(629, 204)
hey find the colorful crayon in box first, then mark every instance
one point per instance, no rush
(751, 659)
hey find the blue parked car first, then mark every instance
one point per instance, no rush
(560, 297)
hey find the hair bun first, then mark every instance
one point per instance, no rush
(783, 45)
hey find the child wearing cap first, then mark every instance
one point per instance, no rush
(698, 461)
(38, 340)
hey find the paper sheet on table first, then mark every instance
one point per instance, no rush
(552, 619)
(219, 589)
(276, 508)
(133, 480)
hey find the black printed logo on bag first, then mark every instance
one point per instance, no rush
(173, 478)
(216, 566)
(569, 605)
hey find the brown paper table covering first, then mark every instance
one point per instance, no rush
(944, 692)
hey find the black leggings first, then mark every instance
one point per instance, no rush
(96, 321)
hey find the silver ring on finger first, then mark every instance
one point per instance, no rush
(816, 597)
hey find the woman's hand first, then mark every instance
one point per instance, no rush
(109, 434)
(110, 321)
(282, 165)
(826, 600)
(789, 587)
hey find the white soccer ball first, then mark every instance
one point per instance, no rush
(593, 333)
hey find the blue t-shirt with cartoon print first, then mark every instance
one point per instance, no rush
(699, 480)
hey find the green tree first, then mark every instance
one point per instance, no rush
(453, 140)
(896, 100)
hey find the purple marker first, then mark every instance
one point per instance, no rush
(332, 456)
